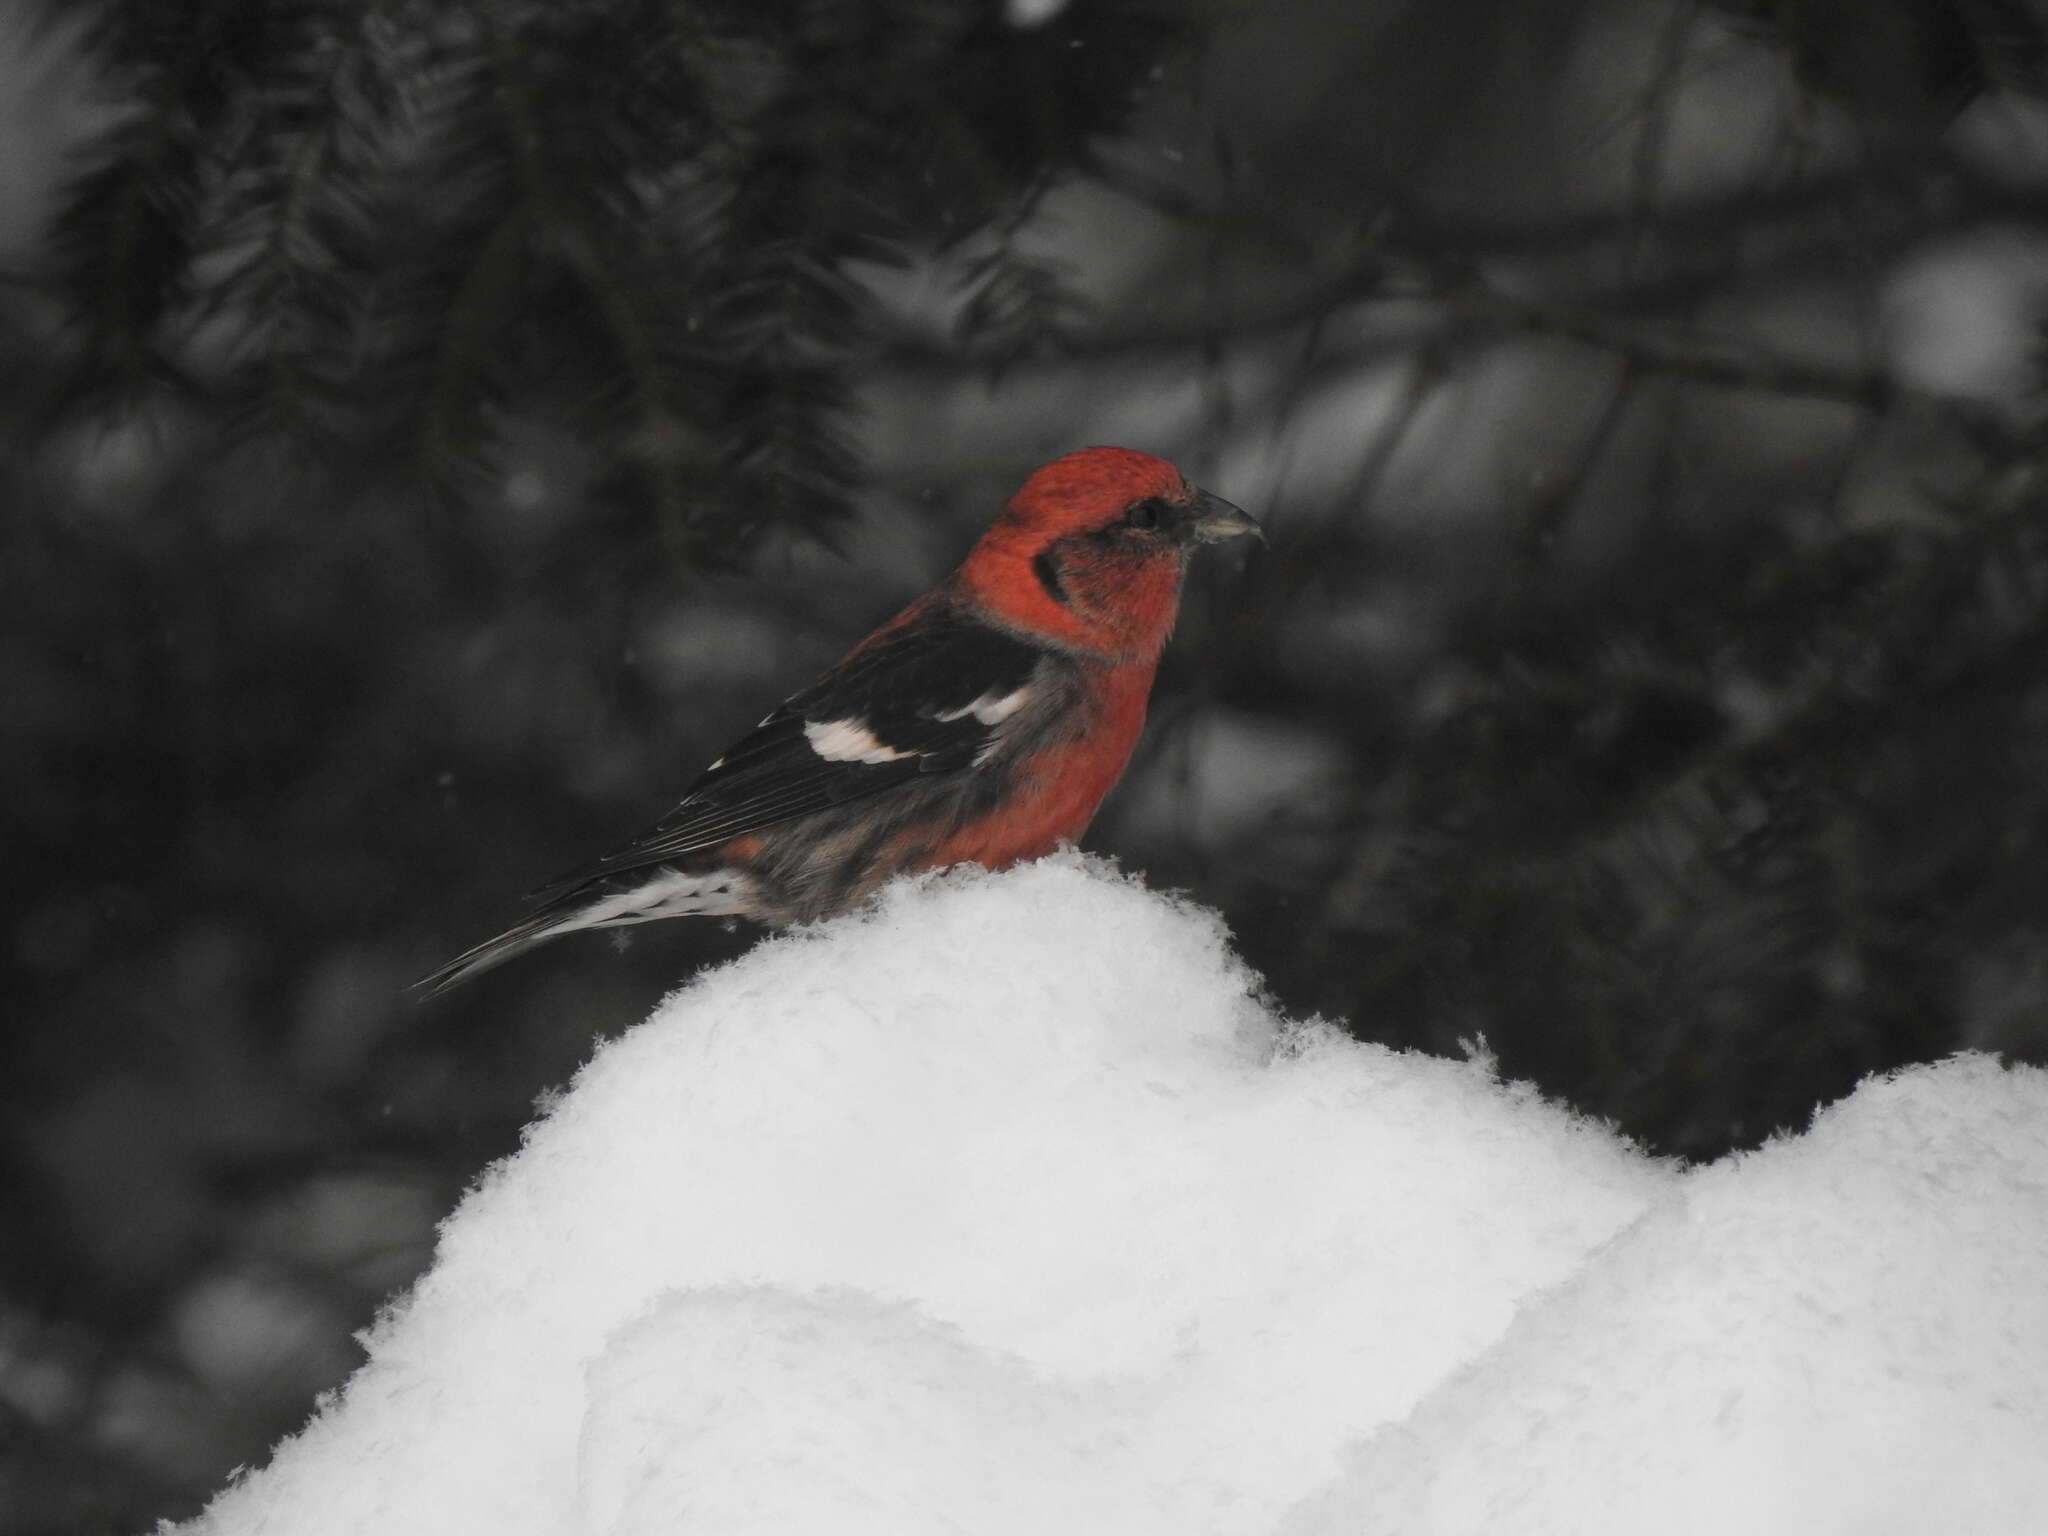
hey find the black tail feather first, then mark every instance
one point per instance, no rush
(516, 940)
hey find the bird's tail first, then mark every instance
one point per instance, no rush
(516, 940)
(610, 901)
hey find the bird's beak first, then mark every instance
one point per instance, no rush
(1216, 520)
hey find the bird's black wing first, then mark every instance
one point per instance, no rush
(925, 698)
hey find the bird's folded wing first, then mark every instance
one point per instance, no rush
(925, 697)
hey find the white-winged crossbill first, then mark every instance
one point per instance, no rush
(983, 724)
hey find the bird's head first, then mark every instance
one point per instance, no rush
(1091, 550)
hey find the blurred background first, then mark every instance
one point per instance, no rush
(432, 430)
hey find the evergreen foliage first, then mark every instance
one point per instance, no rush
(382, 227)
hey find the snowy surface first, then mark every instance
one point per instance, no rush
(1009, 1207)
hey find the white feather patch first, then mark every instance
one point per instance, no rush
(991, 708)
(848, 741)
(669, 893)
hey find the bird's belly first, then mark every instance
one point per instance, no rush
(1058, 790)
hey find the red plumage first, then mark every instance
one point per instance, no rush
(983, 724)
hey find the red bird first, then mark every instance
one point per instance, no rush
(981, 725)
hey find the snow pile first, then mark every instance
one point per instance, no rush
(1009, 1208)
(1845, 1332)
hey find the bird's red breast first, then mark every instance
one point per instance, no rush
(1057, 790)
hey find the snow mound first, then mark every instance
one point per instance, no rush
(1841, 1332)
(1009, 1206)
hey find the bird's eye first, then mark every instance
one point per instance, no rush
(1146, 514)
